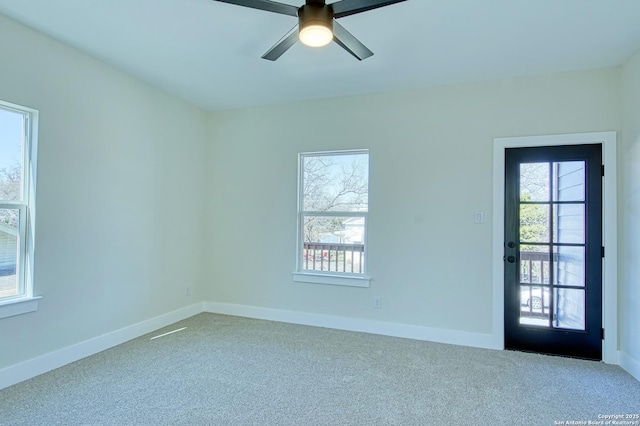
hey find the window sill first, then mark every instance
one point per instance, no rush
(10, 308)
(331, 279)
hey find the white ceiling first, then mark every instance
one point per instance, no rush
(208, 52)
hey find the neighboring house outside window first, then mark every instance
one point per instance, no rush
(17, 195)
(333, 206)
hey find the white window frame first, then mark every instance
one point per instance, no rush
(325, 277)
(25, 301)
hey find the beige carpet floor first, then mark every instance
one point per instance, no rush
(224, 370)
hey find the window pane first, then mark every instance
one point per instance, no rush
(534, 182)
(569, 223)
(11, 137)
(534, 264)
(333, 244)
(534, 305)
(569, 265)
(335, 182)
(570, 309)
(569, 181)
(534, 223)
(8, 252)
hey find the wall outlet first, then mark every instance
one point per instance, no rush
(187, 291)
(377, 303)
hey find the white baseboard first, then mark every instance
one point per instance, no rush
(25, 370)
(439, 335)
(630, 364)
(36, 366)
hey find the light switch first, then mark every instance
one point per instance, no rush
(479, 217)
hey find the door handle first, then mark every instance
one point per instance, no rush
(511, 259)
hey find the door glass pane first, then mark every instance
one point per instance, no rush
(534, 223)
(569, 223)
(534, 305)
(534, 264)
(569, 309)
(8, 252)
(534, 182)
(569, 181)
(569, 265)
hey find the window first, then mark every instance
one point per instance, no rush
(17, 179)
(333, 205)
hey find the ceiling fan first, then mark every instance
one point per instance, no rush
(317, 24)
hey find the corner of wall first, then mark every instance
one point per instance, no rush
(630, 364)
(17, 373)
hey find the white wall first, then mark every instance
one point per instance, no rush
(431, 169)
(629, 213)
(119, 197)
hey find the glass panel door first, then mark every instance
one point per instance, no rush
(552, 253)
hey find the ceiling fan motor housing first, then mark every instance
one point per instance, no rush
(315, 14)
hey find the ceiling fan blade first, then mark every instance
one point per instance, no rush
(269, 6)
(351, 7)
(282, 45)
(349, 43)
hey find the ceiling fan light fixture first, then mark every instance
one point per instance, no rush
(315, 25)
(316, 35)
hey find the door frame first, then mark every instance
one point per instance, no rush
(609, 229)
